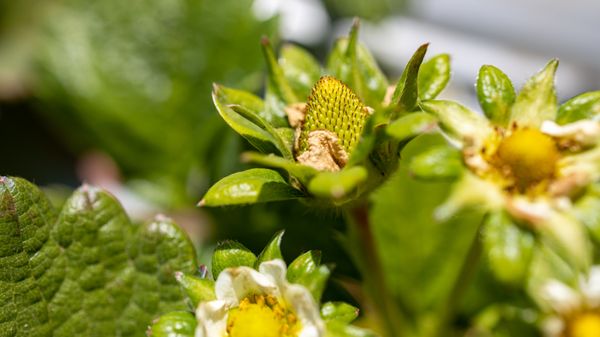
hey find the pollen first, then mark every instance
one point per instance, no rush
(262, 315)
(585, 325)
(527, 157)
(334, 107)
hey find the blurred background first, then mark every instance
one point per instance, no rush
(117, 93)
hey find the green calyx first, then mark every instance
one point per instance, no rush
(334, 107)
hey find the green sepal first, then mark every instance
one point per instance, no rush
(353, 64)
(584, 106)
(272, 250)
(437, 163)
(282, 144)
(197, 289)
(457, 121)
(302, 172)
(249, 187)
(411, 125)
(406, 94)
(300, 68)
(339, 329)
(337, 185)
(496, 94)
(231, 254)
(307, 271)
(276, 78)
(174, 324)
(339, 311)
(508, 248)
(434, 75)
(224, 98)
(536, 101)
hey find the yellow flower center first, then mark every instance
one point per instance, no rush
(527, 157)
(262, 315)
(585, 325)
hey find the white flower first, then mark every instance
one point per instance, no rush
(259, 303)
(574, 312)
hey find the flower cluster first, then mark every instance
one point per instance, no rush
(336, 133)
(259, 296)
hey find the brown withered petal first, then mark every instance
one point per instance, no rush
(324, 152)
(296, 112)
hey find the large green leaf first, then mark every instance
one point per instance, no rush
(421, 258)
(86, 270)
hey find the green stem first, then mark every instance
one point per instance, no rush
(461, 284)
(369, 264)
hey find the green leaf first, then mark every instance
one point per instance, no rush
(434, 75)
(584, 106)
(537, 100)
(278, 83)
(411, 125)
(300, 68)
(437, 163)
(174, 324)
(224, 98)
(248, 187)
(353, 64)
(337, 185)
(282, 144)
(231, 254)
(508, 248)
(87, 270)
(586, 210)
(301, 172)
(339, 311)
(307, 271)
(457, 121)
(196, 288)
(406, 94)
(495, 93)
(272, 251)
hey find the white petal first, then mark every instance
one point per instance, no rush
(306, 310)
(560, 297)
(275, 270)
(234, 284)
(212, 319)
(585, 132)
(591, 287)
(553, 327)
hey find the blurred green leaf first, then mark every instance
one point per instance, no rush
(231, 254)
(458, 121)
(339, 311)
(301, 172)
(584, 106)
(421, 258)
(197, 289)
(339, 329)
(339, 184)
(411, 125)
(536, 102)
(300, 68)
(406, 94)
(272, 251)
(307, 271)
(353, 64)
(174, 324)
(495, 93)
(86, 270)
(508, 248)
(437, 163)
(434, 75)
(250, 186)
(277, 81)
